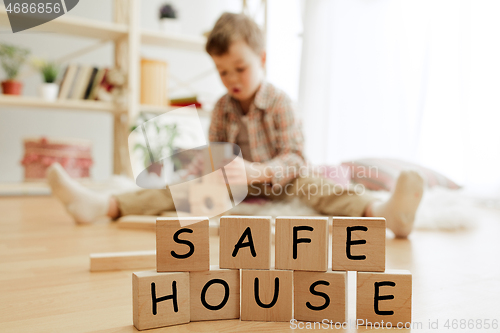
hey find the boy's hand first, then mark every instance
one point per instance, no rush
(240, 171)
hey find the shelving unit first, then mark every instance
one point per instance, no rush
(157, 38)
(35, 102)
(161, 110)
(127, 37)
(76, 26)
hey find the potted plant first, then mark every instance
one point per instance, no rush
(49, 70)
(168, 19)
(12, 58)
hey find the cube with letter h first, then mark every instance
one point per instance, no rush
(160, 299)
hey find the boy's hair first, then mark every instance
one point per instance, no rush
(230, 28)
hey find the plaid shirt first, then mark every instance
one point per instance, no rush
(274, 134)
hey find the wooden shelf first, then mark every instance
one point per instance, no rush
(164, 109)
(128, 55)
(82, 105)
(76, 26)
(178, 41)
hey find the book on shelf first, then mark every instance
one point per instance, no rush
(72, 84)
(185, 101)
(68, 78)
(81, 82)
(98, 79)
(90, 82)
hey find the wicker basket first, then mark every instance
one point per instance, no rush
(39, 153)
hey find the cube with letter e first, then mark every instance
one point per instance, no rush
(358, 244)
(384, 297)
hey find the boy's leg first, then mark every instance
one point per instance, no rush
(144, 202)
(330, 199)
(325, 196)
(86, 205)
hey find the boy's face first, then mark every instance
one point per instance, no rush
(241, 70)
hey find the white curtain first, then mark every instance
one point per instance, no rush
(412, 79)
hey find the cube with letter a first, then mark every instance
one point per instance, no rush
(245, 242)
(358, 244)
(182, 244)
(384, 296)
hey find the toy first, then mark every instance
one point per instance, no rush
(196, 291)
(156, 294)
(215, 294)
(122, 260)
(358, 244)
(266, 295)
(182, 249)
(245, 242)
(320, 295)
(296, 237)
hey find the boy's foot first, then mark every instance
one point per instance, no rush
(399, 211)
(83, 204)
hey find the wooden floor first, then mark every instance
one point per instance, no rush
(46, 285)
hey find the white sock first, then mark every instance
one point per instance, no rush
(399, 211)
(83, 204)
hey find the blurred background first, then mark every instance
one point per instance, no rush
(405, 79)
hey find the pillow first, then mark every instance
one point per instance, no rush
(381, 173)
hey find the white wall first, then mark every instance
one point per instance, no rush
(196, 16)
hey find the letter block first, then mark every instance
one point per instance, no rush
(384, 296)
(160, 299)
(302, 243)
(182, 249)
(358, 244)
(266, 295)
(320, 295)
(245, 242)
(215, 294)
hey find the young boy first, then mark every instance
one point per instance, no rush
(259, 118)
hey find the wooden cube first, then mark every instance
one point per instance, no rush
(209, 199)
(266, 295)
(245, 242)
(215, 294)
(358, 244)
(111, 261)
(320, 295)
(160, 299)
(182, 249)
(302, 243)
(384, 296)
